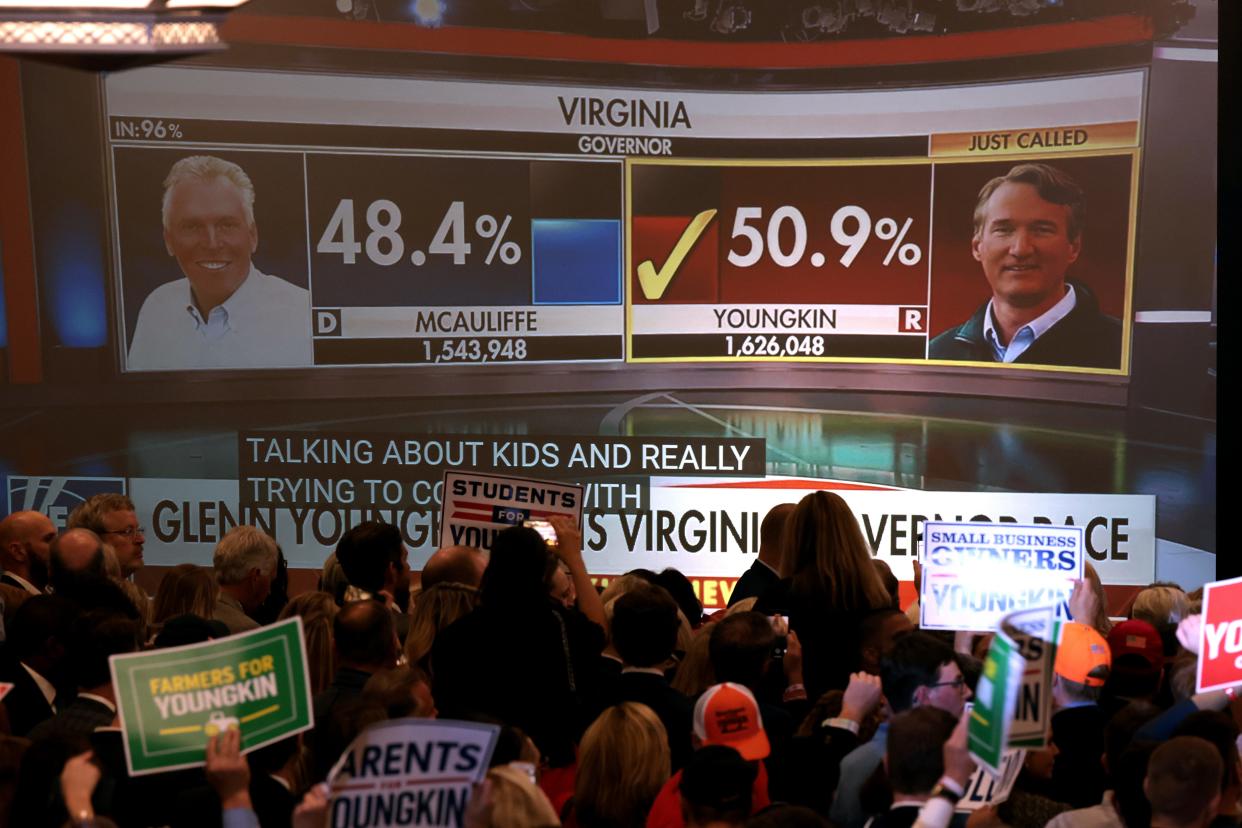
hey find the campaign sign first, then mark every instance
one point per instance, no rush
(477, 506)
(1220, 636)
(985, 789)
(1033, 632)
(172, 700)
(987, 732)
(5, 688)
(975, 573)
(410, 772)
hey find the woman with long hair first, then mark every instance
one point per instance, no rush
(434, 609)
(623, 762)
(829, 584)
(185, 589)
(318, 610)
(522, 656)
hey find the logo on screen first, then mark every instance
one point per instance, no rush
(56, 497)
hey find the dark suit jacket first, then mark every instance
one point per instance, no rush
(75, 721)
(1077, 776)
(272, 802)
(1085, 338)
(676, 712)
(25, 703)
(754, 582)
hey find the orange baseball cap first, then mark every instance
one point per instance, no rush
(1080, 651)
(727, 714)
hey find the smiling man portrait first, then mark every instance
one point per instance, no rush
(1028, 231)
(224, 313)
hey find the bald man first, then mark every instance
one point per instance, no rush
(766, 570)
(75, 555)
(25, 550)
(459, 564)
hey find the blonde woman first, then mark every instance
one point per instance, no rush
(318, 610)
(434, 609)
(623, 761)
(185, 589)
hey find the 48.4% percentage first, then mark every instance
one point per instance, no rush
(385, 246)
(851, 227)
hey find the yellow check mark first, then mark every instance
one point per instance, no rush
(655, 282)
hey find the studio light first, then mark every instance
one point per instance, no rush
(112, 27)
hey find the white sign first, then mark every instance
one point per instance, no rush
(1034, 631)
(976, 573)
(700, 528)
(477, 506)
(986, 789)
(410, 772)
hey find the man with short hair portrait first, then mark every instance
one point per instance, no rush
(1028, 232)
(225, 312)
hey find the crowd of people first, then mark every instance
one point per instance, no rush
(812, 700)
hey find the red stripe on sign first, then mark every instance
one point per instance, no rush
(793, 483)
(444, 780)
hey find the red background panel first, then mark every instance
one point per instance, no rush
(958, 284)
(654, 237)
(894, 191)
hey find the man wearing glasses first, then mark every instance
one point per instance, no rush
(111, 516)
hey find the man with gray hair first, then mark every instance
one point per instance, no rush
(113, 518)
(225, 313)
(245, 564)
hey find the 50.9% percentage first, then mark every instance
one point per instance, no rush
(385, 246)
(851, 227)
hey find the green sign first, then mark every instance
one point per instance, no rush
(988, 730)
(171, 701)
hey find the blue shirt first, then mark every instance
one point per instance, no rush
(1028, 333)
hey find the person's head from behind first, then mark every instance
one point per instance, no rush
(374, 557)
(517, 802)
(741, 648)
(517, 570)
(623, 761)
(679, 586)
(1028, 231)
(877, 633)
(716, 787)
(76, 556)
(185, 589)
(245, 564)
(365, 636)
(914, 752)
(318, 612)
(97, 637)
(1183, 782)
(40, 633)
(26, 545)
(919, 671)
(771, 531)
(1221, 731)
(1163, 606)
(405, 692)
(826, 555)
(209, 227)
(644, 626)
(891, 584)
(114, 519)
(1137, 660)
(727, 715)
(454, 564)
(1081, 666)
(435, 609)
